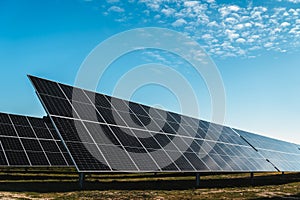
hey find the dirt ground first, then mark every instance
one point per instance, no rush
(41, 185)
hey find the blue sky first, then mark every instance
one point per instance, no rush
(254, 44)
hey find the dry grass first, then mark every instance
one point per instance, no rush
(63, 184)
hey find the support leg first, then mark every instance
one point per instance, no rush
(81, 180)
(282, 175)
(252, 178)
(197, 180)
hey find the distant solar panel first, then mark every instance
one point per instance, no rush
(28, 141)
(284, 155)
(104, 133)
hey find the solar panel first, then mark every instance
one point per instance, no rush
(284, 155)
(103, 133)
(30, 142)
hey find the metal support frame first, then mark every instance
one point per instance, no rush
(197, 180)
(252, 177)
(81, 180)
(282, 175)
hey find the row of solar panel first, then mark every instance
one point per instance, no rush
(100, 126)
(104, 133)
(87, 110)
(29, 141)
(283, 155)
(145, 142)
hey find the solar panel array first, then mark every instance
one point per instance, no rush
(284, 155)
(104, 133)
(28, 141)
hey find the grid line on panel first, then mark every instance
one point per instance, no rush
(20, 141)
(7, 130)
(60, 150)
(270, 157)
(62, 141)
(28, 143)
(39, 142)
(84, 156)
(225, 143)
(154, 132)
(4, 153)
(86, 130)
(111, 130)
(159, 143)
(176, 147)
(4, 119)
(162, 133)
(227, 152)
(55, 127)
(139, 141)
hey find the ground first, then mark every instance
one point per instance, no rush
(63, 184)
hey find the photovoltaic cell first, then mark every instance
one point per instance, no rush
(24, 141)
(104, 133)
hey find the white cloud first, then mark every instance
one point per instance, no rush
(295, 30)
(226, 10)
(231, 20)
(191, 3)
(239, 26)
(268, 44)
(168, 11)
(207, 36)
(245, 34)
(286, 14)
(116, 9)
(247, 24)
(293, 12)
(254, 48)
(231, 34)
(234, 8)
(210, 1)
(211, 23)
(285, 24)
(260, 25)
(179, 22)
(293, 1)
(240, 40)
(255, 36)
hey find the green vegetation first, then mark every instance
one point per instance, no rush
(62, 183)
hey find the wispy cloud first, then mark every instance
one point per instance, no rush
(179, 22)
(291, 1)
(115, 9)
(223, 30)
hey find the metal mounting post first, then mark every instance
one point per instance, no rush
(81, 180)
(197, 180)
(282, 175)
(252, 178)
